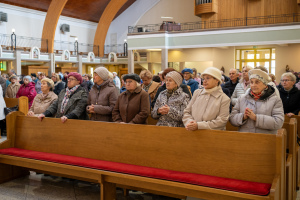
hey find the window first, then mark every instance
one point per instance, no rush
(3, 65)
(255, 58)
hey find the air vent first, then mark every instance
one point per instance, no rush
(65, 28)
(3, 17)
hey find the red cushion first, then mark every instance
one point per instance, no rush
(183, 177)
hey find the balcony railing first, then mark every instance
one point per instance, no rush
(83, 48)
(119, 49)
(215, 24)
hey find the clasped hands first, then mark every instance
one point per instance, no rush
(91, 108)
(163, 110)
(249, 114)
(63, 118)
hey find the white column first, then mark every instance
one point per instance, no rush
(164, 59)
(130, 62)
(51, 64)
(17, 63)
(79, 64)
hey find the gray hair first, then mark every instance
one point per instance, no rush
(289, 74)
(236, 71)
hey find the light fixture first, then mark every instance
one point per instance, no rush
(76, 39)
(13, 30)
(154, 49)
(166, 17)
(125, 40)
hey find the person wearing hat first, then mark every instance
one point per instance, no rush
(13, 87)
(102, 97)
(59, 85)
(209, 107)
(148, 85)
(71, 102)
(34, 79)
(27, 89)
(259, 110)
(188, 79)
(38, 84)
(133, 105)
(171, 102)
(42, 101)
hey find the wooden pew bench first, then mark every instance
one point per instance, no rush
(204, 164)
(22, 102)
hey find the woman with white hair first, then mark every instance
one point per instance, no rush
(259, 110)
(209, 107)
(43, 100)
(289, 94)
(27, 89)
(171, 102)
(133, 105)
(242, 86)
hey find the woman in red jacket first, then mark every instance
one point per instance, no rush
(27, 89)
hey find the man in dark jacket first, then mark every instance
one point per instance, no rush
(234, 80)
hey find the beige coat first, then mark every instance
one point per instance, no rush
(153, 89)
(210, 111)
(12, 90)
(40, 105)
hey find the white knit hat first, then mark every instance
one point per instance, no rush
(102, 72)
(214, 72)
(175, 76)
(260, 75)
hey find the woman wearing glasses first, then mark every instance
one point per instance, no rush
(259, 110)
(289, 94)
(209, 107)
(133, 105)
(71, 102)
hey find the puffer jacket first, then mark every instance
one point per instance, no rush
(238, 91)
(75, 108)
(193, 84)
(27, 91)
(40, 103)
(104, 99)
(177, 102)
(268, 110)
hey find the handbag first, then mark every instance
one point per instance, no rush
(11, 109)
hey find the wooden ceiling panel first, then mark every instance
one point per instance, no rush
(90, 10)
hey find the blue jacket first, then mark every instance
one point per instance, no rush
(193, 84)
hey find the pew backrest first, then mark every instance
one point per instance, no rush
(22, 102)
(209, 152)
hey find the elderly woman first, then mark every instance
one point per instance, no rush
(71, 102)
(148, 84)
(42, 101)
(242, 86)
(260, 110)
(38, 84)
(133, 105)
(209, 107)
(289, 94)
(27, 89)
(102, 97)
(171, 102)
(188, 79)
(13, 87)
(58, 84)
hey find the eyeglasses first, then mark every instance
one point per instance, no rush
(284, 80)
(207, 79)
(72, 79)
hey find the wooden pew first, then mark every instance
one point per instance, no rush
(22, 102)
(291, 188)
(215, 153)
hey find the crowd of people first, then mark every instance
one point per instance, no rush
(250, 99)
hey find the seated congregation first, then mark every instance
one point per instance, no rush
(254, 104)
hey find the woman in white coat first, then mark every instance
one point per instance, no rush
(260, 110)
(209, 107)
(2, 115)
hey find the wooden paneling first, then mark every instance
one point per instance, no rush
(66, 69)
(90, 10)
(203, 9)
(27, 70)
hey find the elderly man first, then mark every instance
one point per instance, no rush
(234, 80)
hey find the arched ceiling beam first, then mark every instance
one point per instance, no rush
(107, 17)
(52, 17)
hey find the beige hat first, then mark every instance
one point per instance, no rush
(260, 75)
(214, 72)
(110, 75)
(12, 77)
(102, 72)
(175, 76)
(49, 81)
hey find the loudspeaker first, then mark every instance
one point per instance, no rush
(3, 17)
(65, 28)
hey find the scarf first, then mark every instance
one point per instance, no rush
(170, 92)
(257, 96)
(146, 87)
(66, 99)
(211, 90)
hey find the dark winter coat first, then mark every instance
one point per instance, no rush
(290, 100)
(231, 86)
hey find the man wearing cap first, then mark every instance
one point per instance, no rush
(188, 79)
(259, 110)
(71, 102)
(13, 87)
(133, 105)
(102, 97)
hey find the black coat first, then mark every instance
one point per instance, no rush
(290, 100)
(163, 87)
(59, 87)
(231, 86)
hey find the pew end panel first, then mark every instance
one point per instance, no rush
(22, 102)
